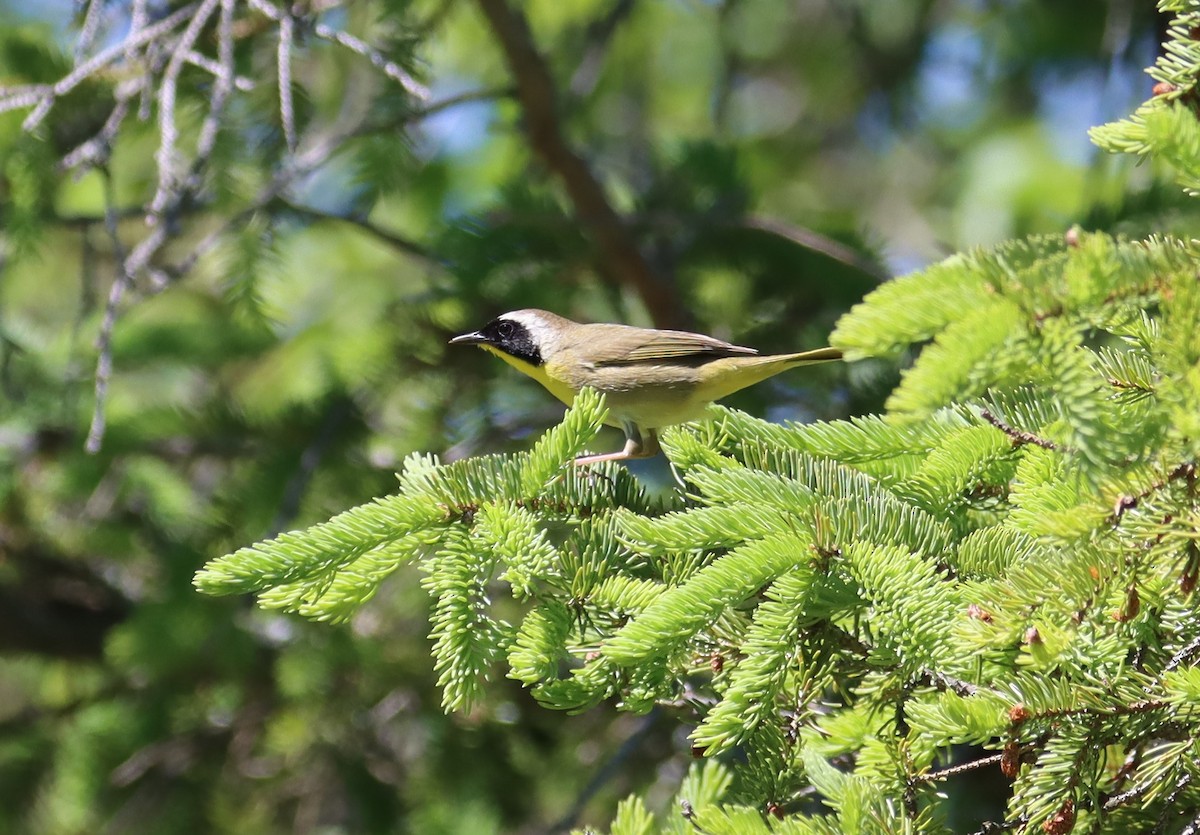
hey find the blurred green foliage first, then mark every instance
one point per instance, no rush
(286, 348)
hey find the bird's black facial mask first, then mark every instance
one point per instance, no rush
(512, 338)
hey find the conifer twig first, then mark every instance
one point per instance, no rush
(304, 163)
(961, 768)
(1118, 800)
(1184, 655)
(196, 59)
(138, 16)
(389, 68)
(954, 685)
(1169, 807)
(1019, 436)
(176, 189)
(1127, 502)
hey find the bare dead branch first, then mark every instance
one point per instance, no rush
(620, 258)
(95, 151)
(168, 179)
(49, 93)
(485, 94)
(240, 82)
(390, 68)
(301, 164)
(121, 283)
(313, 161)
(356, 45)
(154, 54)
(223, 72)
(287, 113)
(138, 17)
(91, 26)
(22, 96)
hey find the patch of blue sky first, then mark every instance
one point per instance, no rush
(954, 73)
(456, 131)
(58, 13)
(1073, 100)
(1069, 102)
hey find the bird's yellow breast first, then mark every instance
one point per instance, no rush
(555, 386)
(651, 395)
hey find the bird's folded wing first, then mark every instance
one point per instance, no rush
(661, 345)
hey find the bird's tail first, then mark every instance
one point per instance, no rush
(810, 357)
(727, 375)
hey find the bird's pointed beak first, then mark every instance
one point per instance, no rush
(472, 338)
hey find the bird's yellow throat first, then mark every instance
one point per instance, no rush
(538, 372)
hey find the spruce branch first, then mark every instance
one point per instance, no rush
(680, 612)
(1166, 125)
(844, 601)
(330, 569)
(1116, 801)
(96, 150)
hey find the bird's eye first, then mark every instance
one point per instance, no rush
(505, 329)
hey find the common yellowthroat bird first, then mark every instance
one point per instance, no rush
(650, 378)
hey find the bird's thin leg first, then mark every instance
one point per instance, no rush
(633, 449)
(637, 445)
